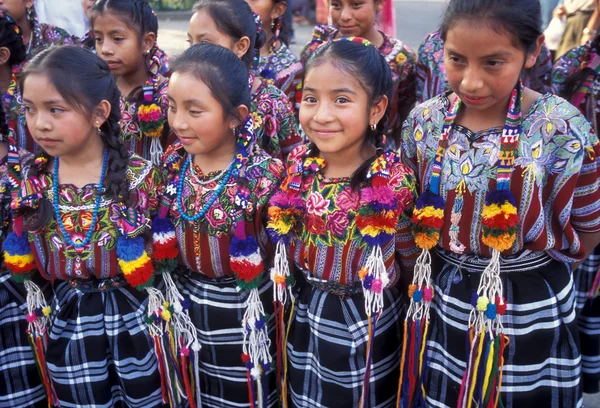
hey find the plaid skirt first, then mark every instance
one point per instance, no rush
(542, 364)
(327, 346)
(20, 384)
(217, 309)
(588, 320)
(99, 351)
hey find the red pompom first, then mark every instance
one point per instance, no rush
(245, 270)
(500, 305)
(245, 358)
(160, 254)
(141, 275)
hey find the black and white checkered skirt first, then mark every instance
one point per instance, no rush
(20, 384)
(588, 320)
(327, 345)
(542, 365)
(217, 309)
(99, 351)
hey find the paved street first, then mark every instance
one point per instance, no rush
(414, 20)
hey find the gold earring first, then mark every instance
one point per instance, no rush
(98, 128)
(374, 127)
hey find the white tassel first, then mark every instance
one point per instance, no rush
(281, 270)
(156, 151)
(35, 300)
(375, 268)
(490, 287)
(155, 306)
(181, 321)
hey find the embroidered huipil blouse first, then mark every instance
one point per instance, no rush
(56, 259)
(555, 181)
(285, 70)
(204, 244)
(327, 244)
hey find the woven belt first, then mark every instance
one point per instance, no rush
(335, 288)
(98, 285)
(525, 261)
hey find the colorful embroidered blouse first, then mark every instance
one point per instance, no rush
(15, 116)
(284, 69)
(56, 259)
(399, 57)
(328, 245)
(275, 124)
(431, 75)
(131, 133)
(586, 94)
(204, 244)
(5, 194)
(555, 179)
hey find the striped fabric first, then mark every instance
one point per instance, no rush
(99, 351)
(217, 309)
(20, 384)
(588, 320)
(327, 347)
(542, 362)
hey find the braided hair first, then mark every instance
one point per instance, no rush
(235, 19)
(84, 80)
(366, 64)
(284, 29)
(11, 38)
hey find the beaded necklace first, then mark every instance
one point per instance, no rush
(499, 221)
(56, 206)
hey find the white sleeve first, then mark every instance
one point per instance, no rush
(65, 14)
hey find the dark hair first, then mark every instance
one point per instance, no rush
(371, 71)
(235, 18)
(84, 80)
(10, 37)
(222, 72)
(136, 13)
(284, 29)
(519, 18)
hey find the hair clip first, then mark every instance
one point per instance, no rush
(358, 40)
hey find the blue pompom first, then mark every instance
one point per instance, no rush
(249, 365)
(185, 304)
(368, 282)
(491, 311)
(38, 312)
(162, 225)
(16, 245)
(418, 295)
(130, 249)
(429, 198)
(260, 324)
(243, 247)
(499, 197)
(474, 297)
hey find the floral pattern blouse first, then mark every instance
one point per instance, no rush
(554, 181)
(56, 259)
(399, 57)
(275, 124)
(328, 246)
(204, 244)
(284, 70)
(431, 75)
(5, 193)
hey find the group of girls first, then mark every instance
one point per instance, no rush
(242, 228)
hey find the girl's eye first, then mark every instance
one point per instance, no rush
(341, 99)
(454, 60)
(56, 110)
(495, 64)
(27, 108)
(195, 112)
(310, 99)
(357, 5)
(172, 109)
(119, 39)
(98, 39)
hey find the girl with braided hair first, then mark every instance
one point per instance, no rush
(36, 36)
(343, 215)
(277, 63)
(81, 218)
(220, 181)
(125, 32)
(233, 25)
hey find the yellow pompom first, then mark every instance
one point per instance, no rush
(425, 241)
(46, 311)
(482, 303)
(166, 315)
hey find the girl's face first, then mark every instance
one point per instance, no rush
(55, 125)
(120, 45)
(354, 18)
(197, 118)
(88, 5)
(335, 111)
(483, 65)
(268, 10)
(203, 29)
(17, 9)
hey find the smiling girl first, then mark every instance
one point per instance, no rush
(81, 215)
(509, 203)
(125, 33)
(344, 213)
(359, 18)
(219, 185)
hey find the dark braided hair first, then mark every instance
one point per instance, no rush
(84, 80)
(235, 19)
(136, 13)
(284, 30)
(4, 128)
(11, 38)
(371, 71)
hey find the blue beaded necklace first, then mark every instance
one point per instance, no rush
(212, 199)
(90, 232)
